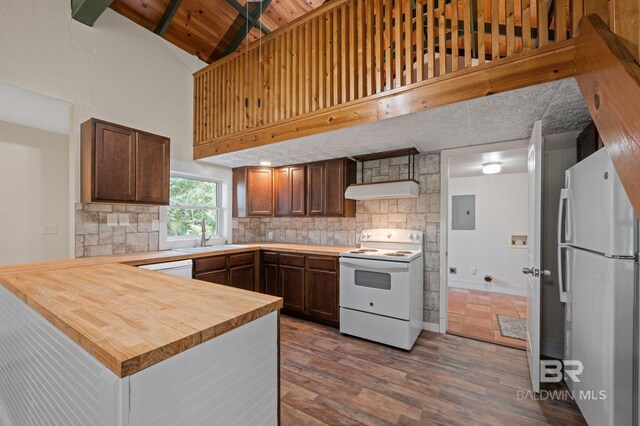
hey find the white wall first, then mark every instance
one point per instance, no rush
(501, 209)
(116, 71)
(34, 185)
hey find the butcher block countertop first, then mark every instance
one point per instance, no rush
(130, 318)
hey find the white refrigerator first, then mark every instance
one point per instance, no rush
(597, 245)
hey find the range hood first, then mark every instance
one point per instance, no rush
(408, 188)
(404, 188)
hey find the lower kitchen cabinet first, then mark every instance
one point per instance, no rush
(322, 294)
(235, 270)
(217, 277)
(269, 273)
(292, 289)
(242, 277)
(309, 285)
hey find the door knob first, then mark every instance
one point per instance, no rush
(527, 271)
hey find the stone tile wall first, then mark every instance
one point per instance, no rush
(422, 213)
(95, 238)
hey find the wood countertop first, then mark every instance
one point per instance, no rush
(147, 258)
(130, 318)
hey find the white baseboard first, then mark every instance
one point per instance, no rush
(552, 349)
(430, 326)
(487, 287)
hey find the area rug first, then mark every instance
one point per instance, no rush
(516, 328)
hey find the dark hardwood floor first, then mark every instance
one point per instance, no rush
(329, 378)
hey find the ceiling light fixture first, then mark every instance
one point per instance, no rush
(265, 163)
(491, 168)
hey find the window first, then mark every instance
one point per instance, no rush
(191, 201)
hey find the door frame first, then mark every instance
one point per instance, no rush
(444, 209)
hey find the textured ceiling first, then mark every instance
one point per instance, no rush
(496, 118)
(511, 161)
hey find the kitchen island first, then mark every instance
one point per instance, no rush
(95, 341)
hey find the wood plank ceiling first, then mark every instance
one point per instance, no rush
(211, 29)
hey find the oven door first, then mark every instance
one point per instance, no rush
(377, 286)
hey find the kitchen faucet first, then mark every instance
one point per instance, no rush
(204, 239)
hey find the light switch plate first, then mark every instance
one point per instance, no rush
(49, 229)
(123, 219)
(474, 271)
(155, 225)
(112, 219)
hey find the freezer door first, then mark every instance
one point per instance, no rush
(598, 214)
(601, 321)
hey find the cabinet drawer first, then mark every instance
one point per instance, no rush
(217, 277)
(210, 264)
(323, 263)
(291, 260)
(241, 259)
(270, 257)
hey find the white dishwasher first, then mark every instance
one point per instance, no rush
(181, 268)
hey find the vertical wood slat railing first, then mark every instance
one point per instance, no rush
(351, 49)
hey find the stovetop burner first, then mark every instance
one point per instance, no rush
(404, 252)
(364, 251)
(396, 254)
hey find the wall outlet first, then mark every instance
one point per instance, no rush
(112, 219)
(123, 219)
(49, 229)
(473, 271)
(270, 235)
(155, 225)
(453, 270)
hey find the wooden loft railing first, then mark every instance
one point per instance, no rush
(350, 51)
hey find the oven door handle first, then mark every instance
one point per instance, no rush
(385, 265)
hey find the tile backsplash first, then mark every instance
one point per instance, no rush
(422, 213)
(95, 238)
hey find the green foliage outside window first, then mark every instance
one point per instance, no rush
(191, 201)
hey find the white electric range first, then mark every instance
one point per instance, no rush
(381, 287)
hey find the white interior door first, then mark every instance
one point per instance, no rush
(533, 269)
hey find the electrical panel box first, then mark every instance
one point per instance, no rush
(463, 212)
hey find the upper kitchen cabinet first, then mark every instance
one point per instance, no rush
(290, 191)
(252, 191)
(123, 165)
(327, 181)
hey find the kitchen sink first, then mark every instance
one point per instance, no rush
(210, 248)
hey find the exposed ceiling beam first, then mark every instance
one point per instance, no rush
(167, 17)
(254, 22)
(253, 16)
(88, 11)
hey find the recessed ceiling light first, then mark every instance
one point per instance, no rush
(265, 163)
(491, 168)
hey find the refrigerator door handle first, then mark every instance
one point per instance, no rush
(561, 268)
(565, 193)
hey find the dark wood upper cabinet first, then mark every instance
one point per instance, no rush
(290, 190)
(152, 177)
(298, 179)
(282, 191)
(316, 188)
(114, 163)
(120, 164)
(327, 182)
(252, 191)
